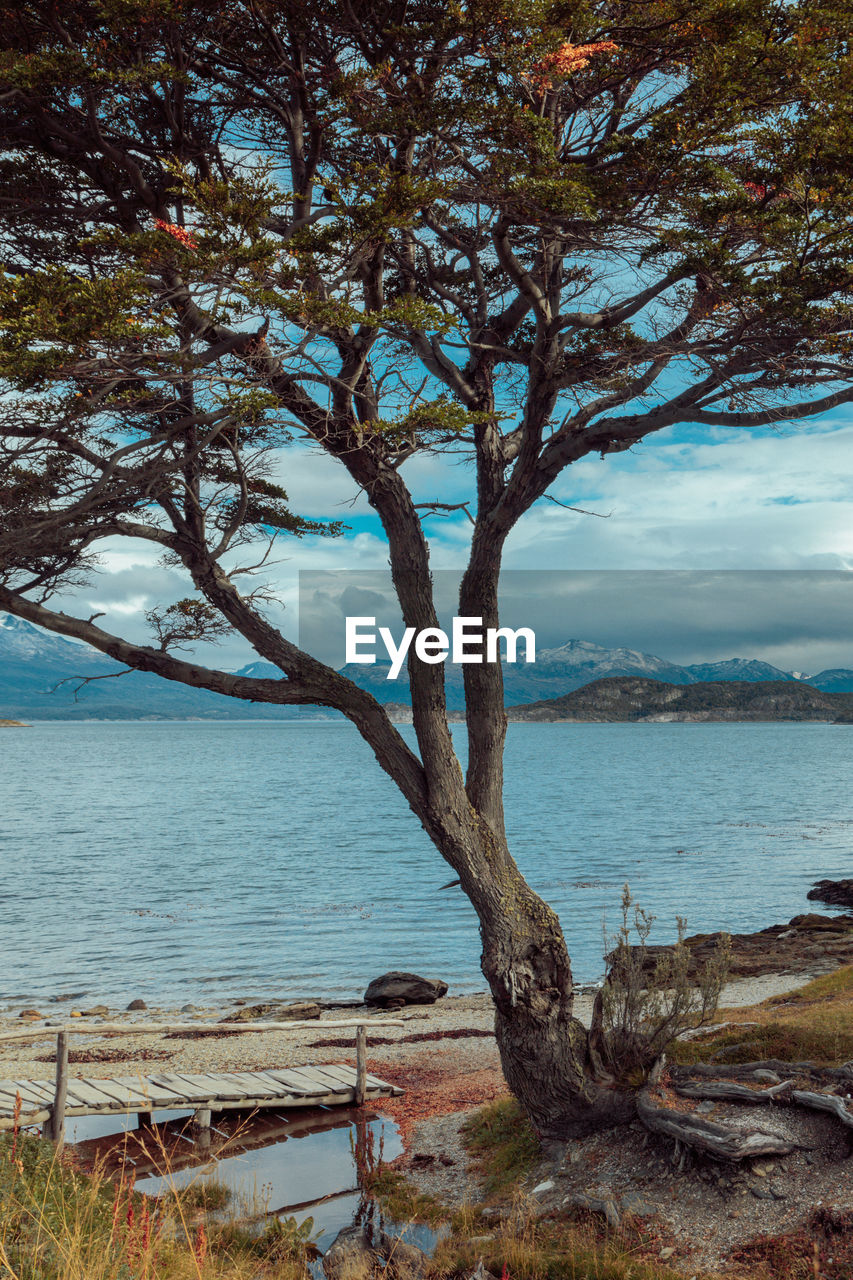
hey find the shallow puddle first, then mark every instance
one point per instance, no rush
(300, 1164)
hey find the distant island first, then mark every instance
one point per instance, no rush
(13, 724)
(634, 698)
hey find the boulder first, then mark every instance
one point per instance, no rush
(403, 1261)
(136, 1005)
(97, 1011)
(836, 893)
(297, 1009)
(350, 1256)
(252, 1013)
(30, 1013)
(395, 989)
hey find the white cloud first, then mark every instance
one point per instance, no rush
(738, 501)
(749, 502)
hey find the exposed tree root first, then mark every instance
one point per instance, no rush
(656, 1109)
(706, 1136)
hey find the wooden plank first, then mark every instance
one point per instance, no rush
(297, 1079)
(8, 1089)
(211, 1083)
(277, 1088)
(35, 1092)
(161, 1028)
(92, 1093)
(268, 1083)
(319, 1074)
(222, 1084)
(32, 1117)
(8, 1104)
(183, 1087)
(344, 1078)
(361, 1065)
(128, 1097)
(345, 1072)
(40, 1088)
(57, 1115)
(75, 1101)
(343, 1075)
(161, 1098)
(253, 1084)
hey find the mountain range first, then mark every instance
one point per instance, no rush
(41, 675)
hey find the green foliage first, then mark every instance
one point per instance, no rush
(187, 622)
(285, 1239)
(58, 1222)
(203, 1193)
(400, 1201)
(187, 246)
(531, 1248)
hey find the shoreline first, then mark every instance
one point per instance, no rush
(440, 1026)
(445, 1057)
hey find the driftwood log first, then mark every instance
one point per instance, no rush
(727, 1084)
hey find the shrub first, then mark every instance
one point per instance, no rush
(641, 1008)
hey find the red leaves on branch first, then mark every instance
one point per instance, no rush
(177, 233)
(568, 59)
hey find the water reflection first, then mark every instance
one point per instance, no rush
(296, 1164)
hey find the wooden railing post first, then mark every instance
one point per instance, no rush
(360, 1064)
(57, 1117)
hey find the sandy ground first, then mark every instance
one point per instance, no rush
(247, 1050)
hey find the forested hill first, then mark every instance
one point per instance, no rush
(623, 698)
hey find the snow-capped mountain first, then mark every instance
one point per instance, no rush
(748, 669)
(34, 662)
(42, 674)
(20, 641)
(835, 680)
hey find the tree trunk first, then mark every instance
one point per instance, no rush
(547, 1055)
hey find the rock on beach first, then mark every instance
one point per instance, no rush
(395, 989)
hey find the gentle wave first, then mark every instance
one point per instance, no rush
(185, 862)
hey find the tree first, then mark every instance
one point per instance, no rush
(521, 230)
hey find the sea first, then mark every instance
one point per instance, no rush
(204, 862)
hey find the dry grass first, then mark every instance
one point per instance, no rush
(523, 1247)
(813, 1023)
(59, 1224)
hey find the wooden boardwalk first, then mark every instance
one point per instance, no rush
(328, 1086)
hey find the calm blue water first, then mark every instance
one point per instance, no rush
(197, 862)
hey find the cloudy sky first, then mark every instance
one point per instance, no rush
(710, 501)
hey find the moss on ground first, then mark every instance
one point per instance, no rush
(503, 1145)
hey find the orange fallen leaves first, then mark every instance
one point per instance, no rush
(431, 1092)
